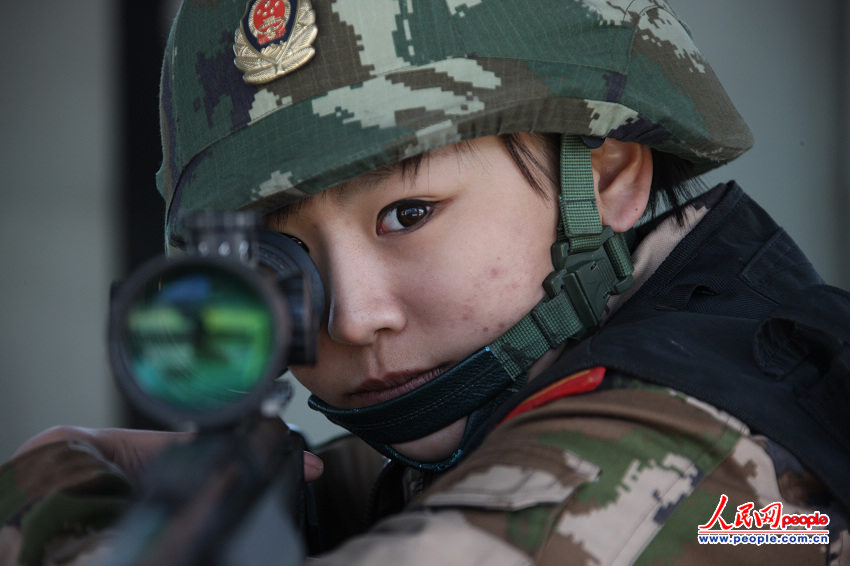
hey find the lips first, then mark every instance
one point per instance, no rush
(392, 385)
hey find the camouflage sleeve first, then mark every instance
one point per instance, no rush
(55, 502)
(620, 476)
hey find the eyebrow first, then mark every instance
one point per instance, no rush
(275, 219)
(409, 168)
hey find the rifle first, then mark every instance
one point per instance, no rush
(198, 342)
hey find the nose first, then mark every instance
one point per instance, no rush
(363, 299)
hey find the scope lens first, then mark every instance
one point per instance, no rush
(199, 338)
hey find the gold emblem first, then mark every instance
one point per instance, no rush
(274, 38)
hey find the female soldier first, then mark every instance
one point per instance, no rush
(439, 161)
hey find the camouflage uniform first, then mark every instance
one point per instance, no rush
(55, 500)
(617, 475)
(621, 476)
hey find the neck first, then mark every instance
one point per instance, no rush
(546, 360)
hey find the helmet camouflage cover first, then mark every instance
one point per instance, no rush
(394, 78)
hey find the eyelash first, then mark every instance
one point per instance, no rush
(299, 242)
(404, 205)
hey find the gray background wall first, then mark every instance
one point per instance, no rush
(784, 62)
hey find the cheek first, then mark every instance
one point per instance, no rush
(306, 377)
(328, 376)
(510, 282)
(484, 289)
(509, 288)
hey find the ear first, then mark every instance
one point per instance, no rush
(622, 175)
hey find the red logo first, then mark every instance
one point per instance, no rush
(274, 38)
(768, 517)
(268, 20)
(767, 525)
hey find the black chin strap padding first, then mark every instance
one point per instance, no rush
(435, 405)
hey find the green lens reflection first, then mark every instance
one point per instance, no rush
(199, 339)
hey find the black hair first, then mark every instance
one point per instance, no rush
(675, 180)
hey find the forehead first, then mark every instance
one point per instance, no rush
(407, 169)
(343, 192)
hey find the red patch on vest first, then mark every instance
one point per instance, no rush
(579, 382)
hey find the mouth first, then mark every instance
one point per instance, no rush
(392, 385)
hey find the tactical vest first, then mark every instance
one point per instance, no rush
(737, 316)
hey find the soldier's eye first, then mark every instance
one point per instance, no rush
(403, 215)
(299, 242)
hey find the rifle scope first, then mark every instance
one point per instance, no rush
(197, 341)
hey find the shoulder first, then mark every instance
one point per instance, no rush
(618, 475)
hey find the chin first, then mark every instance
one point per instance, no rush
(437, 445)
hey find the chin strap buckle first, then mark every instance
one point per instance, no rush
(590, 278)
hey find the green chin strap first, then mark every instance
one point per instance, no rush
(591, 263)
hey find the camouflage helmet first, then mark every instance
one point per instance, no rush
(383, 80)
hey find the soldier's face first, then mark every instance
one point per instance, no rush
(421, 270)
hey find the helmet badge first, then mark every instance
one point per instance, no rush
(274, 38)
